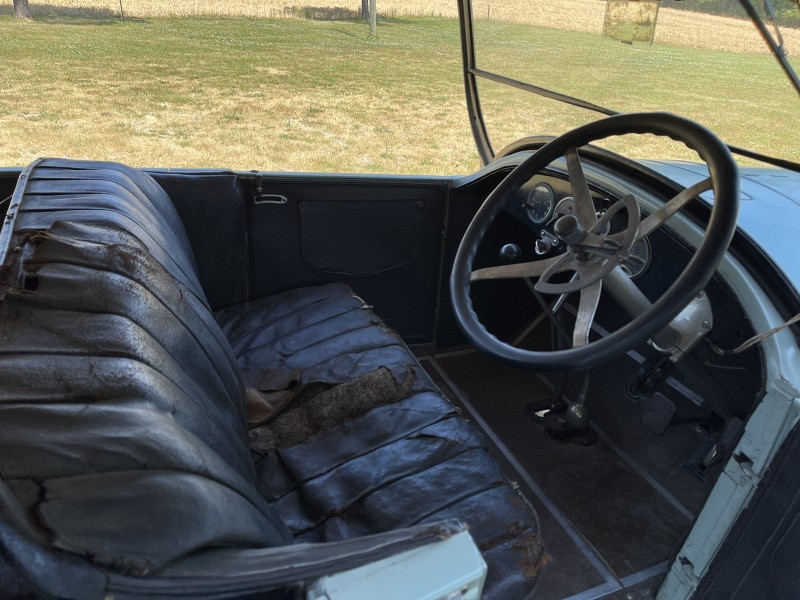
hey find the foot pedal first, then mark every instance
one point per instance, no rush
(657, 412)
(708, 459)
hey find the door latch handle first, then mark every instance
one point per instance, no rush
(270, 199)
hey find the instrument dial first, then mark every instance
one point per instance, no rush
(540, 203)
(643, 251)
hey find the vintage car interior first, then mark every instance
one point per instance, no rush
(566, 375)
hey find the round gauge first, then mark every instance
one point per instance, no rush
(540, 202)
(643, 251)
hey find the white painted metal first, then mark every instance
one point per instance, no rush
(452, 569)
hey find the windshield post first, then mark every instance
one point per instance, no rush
(479, 131)
(472, 73)
(775, 48)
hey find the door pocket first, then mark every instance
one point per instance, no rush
(361, 237)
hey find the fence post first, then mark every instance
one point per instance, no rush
(373, 17)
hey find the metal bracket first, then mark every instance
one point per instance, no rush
(688, 328)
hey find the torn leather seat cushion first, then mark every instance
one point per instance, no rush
(375, 452)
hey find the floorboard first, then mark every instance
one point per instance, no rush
(612, 514)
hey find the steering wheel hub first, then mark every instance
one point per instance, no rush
(569, 230)
(591, 255)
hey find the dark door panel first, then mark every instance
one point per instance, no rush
(759, 558)
(382, 236)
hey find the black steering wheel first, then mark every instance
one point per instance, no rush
(592, 253)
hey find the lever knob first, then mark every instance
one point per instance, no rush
(510, 253)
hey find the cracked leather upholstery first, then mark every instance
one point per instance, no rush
(122, 415)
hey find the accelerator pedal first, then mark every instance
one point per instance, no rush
(705, 463)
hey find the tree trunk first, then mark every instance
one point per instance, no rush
(365, 10)
(373, 17)
(21, 9)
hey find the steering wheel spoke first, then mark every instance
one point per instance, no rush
(534, 268)
(584, 206)
(587, 307)
(656, 219)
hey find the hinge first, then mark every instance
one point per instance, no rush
(745, 464)
(687, 572)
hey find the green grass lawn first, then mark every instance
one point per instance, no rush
(324, 96)
(744, 98)
(246, 94)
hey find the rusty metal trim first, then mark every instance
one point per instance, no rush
(7, 231)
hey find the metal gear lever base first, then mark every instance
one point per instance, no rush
(557, 426)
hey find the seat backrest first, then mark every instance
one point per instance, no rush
(112, 195)
(122, 425)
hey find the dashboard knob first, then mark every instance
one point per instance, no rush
(510, 253)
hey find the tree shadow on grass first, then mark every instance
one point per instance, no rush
(48, 13)
(62, 15)
(324, 13)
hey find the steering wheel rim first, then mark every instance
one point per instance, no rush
(723, 174)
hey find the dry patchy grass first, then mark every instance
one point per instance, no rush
(274, 95)
(675, 26)
(269, 9)
(294, 94)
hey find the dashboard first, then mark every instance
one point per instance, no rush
(537, 203)
(726, 385)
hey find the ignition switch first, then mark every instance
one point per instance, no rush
(546, 242)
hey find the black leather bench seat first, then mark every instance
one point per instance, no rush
(411, 461)
(123, 413)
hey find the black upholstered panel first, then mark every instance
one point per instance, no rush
(286, 255)
(212, 209)
(351, 238)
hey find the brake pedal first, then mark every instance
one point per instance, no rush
(657, 413)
